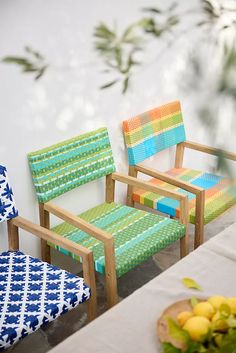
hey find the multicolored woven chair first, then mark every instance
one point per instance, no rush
(120, 237)
(33, 292)
(209, 194)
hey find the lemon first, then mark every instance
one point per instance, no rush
(183, 317)
(216, 301)
(197, 327)
(219, 324)
(232, 304)
(204, 309)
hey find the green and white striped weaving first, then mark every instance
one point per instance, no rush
(66, 165)
(138, 235)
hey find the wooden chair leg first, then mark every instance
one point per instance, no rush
(13, 236)
(89, 278)
(129, 201)
(44, 222)
(184, 219)
(110, 273)
(184, 246)
(199, 224)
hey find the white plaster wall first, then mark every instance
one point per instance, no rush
(67, 101)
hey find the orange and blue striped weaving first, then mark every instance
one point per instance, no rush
(153, 131)
(220, 194)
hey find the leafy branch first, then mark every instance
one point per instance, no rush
(34, 62)
(119, 51)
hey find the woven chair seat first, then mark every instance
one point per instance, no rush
(138, 234)
(220, 194)
(32, 293)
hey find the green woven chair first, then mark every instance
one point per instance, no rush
(120, 237)
(209, 194)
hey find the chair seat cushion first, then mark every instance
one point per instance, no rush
(32, 293)
(220, 194)
(138, 234)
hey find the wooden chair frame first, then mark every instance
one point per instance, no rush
(110, 268)
(198, 191)
(48, 236)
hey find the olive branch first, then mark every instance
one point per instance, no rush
(33, 62)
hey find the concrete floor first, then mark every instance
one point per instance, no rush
(53, 333)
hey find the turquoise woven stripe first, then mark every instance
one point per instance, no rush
(149, 147)
(135, 232)
(74, 153)
(63, 167)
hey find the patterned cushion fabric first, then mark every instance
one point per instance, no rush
(220, 194)
(138, 234)
(153, 131)
(64, 166)
(7, 203)
(32, 293)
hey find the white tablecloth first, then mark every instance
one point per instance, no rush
(130, 327)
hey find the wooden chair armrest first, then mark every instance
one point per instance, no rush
(168, 179)
(50, 236)
(183, 199)
(126, 179)
(78, 222)
(210, 150)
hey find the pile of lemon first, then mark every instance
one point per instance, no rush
(214, 315)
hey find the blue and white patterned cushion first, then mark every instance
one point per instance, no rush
(7, 203)
(32, 293)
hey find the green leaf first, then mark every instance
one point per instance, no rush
(30, 68)
(40, 72)
(194, 302)
(125, 84)
(128, 32)
(35, 53)
(102, 31)
(190, 283)
(118, 56)
(177, 333)
(15, 60)
(152, 9)
(172, 20)
(109, 84)
(195, 347)
(228, 344)
(169, 348)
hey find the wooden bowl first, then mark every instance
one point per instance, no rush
(172, 311)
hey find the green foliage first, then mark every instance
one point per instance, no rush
(214, 342)
(226, 84)
(119, 51)
(227, 344)
(169, 348)
(211, 10)
(34, 62)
